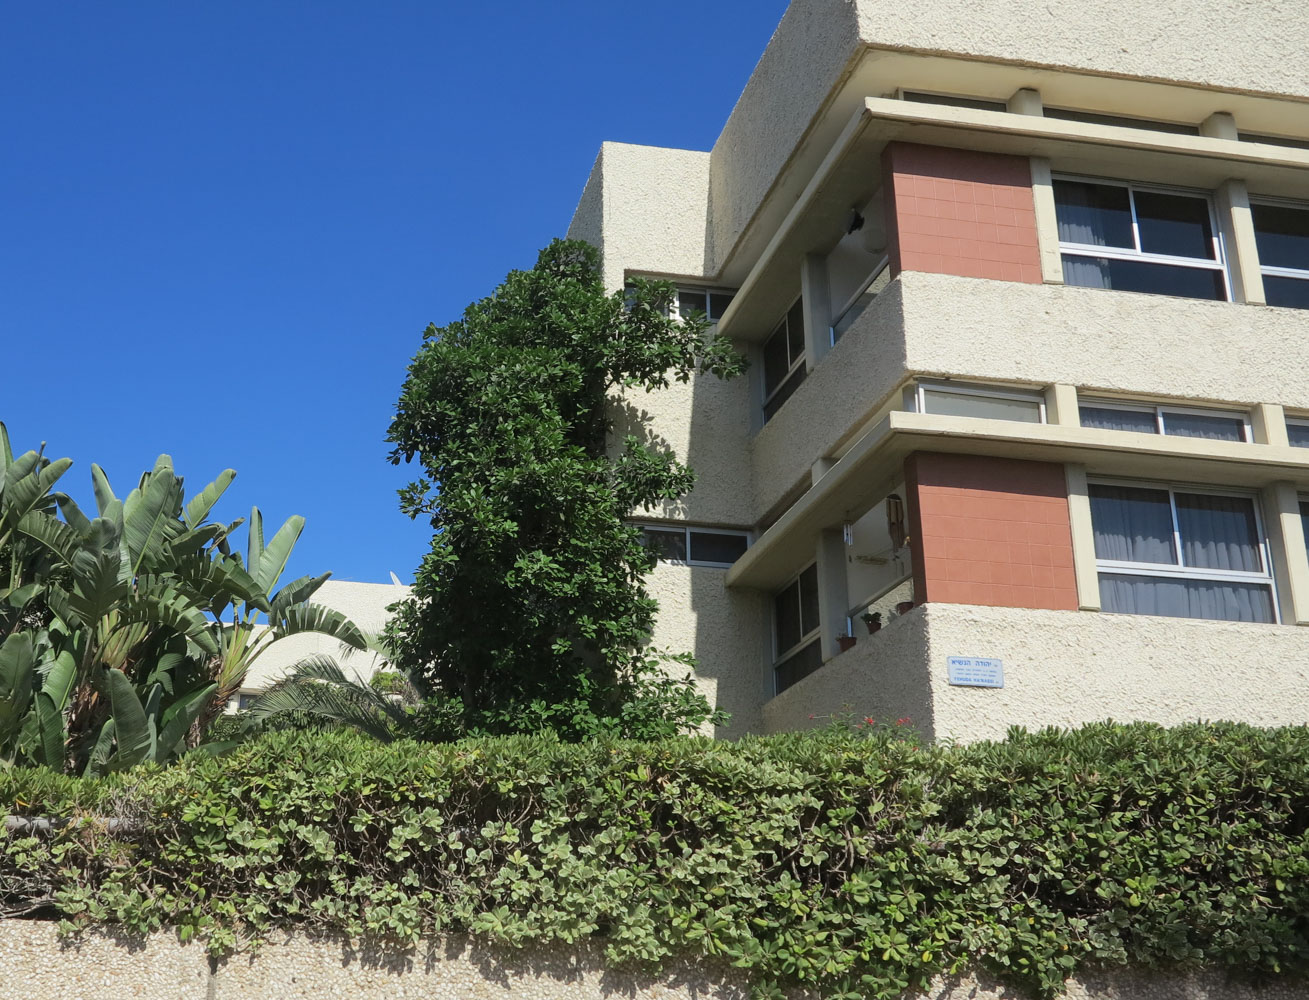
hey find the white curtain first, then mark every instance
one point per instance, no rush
(1112, 419)
(1218, 532)
(1132, 524)
(1198, 425)
(1150, 595)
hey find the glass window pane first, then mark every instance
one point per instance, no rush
(786, 617)
(716, 547)
(1096, 214)
(776, 364)
(795, 330)
(1213, 599)
(688, 301)
(1282, 235)
(669, 543)
(1202, 425)
(1218, 532)
(1132, 524)
(800, 665)
(1175, 224)
(1110, 418)
(1290, 293)
(1138, 276)
(784, 393)
(718, 303)
(1122, 121)
(809, 599)
(1298, 434)
(954, 102)
(966, 404)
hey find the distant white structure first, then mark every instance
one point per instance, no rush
(364, 604)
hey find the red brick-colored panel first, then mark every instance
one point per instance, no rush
(959, 211)
(990, 531)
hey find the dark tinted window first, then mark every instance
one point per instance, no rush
(795, 330)
(1091, 117)
(786, 617)
(1174, 224)
(669, 543)
(718, 303)
(799, 665)
(776, 360)
(1298, 435)
(954, 102)
(1282, 235)
(1098, 214)
(688, 301)
(1140, 276)
(716, 547)
(809, 598)
(1291, 293)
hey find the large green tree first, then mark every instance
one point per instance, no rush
(529, 611)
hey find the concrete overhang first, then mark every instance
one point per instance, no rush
(851, 173)
(874, 466)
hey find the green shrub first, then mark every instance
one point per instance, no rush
(858, 864)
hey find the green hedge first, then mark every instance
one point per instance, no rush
(862, 864)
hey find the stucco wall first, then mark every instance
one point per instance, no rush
(363, 603)
(1061, 668)
(727, 632)
(35, 966)
(651, 205)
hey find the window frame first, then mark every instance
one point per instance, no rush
(686, 530)
(708, 291)
(1296, 421)
(1161, 408)
(801, 360)
(1178, 571)
(974, 389)
(1218, 263)
(878, 270)
(782, 655)
(1269, 270)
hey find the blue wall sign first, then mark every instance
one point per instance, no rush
(975, 671)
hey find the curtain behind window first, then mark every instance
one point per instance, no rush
(1212, 599)
(1132, 524)
(1218, 532)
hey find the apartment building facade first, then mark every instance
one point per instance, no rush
(1025, 435)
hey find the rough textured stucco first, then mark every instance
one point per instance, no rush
(1120, 341)
(363, 603)
(803, 61)
(1061, 668)
(991, 531)
(651, 205)
(727, 632)
(35, 966)
(885, 677)
(1066, 668)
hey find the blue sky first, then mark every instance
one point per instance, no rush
(224, 227)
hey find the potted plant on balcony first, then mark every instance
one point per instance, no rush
(844, 642)
(904, 607)
(873, 619)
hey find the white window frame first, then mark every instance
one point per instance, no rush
(675, 310)
(878, 269)
(1218, 263)
(1179, 572)
(974, 389)
(1296, 422)
(686, 530)
(1160, 409)
(1267, 270)
(781, 656)
(797, 363)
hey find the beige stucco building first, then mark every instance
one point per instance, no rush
(1023, 286)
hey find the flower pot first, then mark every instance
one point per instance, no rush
(844, 642)
(904, 607)
(873, 627)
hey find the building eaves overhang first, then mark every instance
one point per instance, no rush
(874, 466)
(851, 173)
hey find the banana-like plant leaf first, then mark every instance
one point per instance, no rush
(277, 553)
(132, 727)
(17, 671)
(167, 607)
(317, 686)
(25, 493)
(180, 717)
(49, 531)
(296, 592)
(104, 495)
(22, 596)
(50, 728)
(6, 452)
(254, 540)
(60, 677)
(199, 506)
(150, 515)
(317, 618)
(98, 762)
(73, 514)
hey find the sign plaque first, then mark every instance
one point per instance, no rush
(975, 671)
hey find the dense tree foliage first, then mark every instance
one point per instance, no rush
(529, 611)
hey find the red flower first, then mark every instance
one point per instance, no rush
(903, 721)
(869, 720)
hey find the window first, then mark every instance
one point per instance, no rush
(784, 365)
(1138, 239)
(962, 400)
(1178, 421)
(1122, 121)
(797, 651)
(1180, 552)
(853, 307)
(1274, 140)
(1297, 433)
(1281, 233)
(245, 699)
(953, 100)
(695, 546)
(711, 302)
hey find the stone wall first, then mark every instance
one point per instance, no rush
(34, 965)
